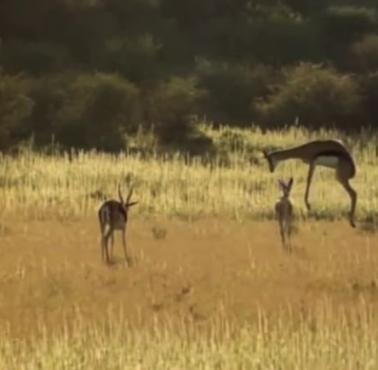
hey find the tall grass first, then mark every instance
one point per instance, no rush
(235, 182)
(232, 182)
(322, 339)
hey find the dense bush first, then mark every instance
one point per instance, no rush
(15, 108)
(313, 95)
(369, 88)
(342, 25)
(345, 23)
(33, 57)
(232, 87)
(97, 110)
(136, 59)
(170, 108)
(364, 53)
(95, 70)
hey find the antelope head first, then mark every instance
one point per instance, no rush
(286, 187)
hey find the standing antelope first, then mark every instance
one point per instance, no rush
(285, 212)
(113, 216)
(328, 153)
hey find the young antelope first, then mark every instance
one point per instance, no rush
(113, 215)
(284, 212)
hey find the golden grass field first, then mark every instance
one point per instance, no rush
(210, 286)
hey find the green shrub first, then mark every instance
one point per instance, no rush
(342, 25)
(134, 58)
(281, 41)
(33, 57)
(369, 87)
(232, 87)
(97, 111)
(364, 53)
(315, 96)
(345, 22)
(49, 95)
(172, 106)
(15, 109)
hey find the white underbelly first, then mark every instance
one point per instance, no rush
(327, 161)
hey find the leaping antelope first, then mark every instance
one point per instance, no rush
(328, 153)
(285, 212)
(113, 215)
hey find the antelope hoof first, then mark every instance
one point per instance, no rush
(308, 206)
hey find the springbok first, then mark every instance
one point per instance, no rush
(328, 153)
(113, 215)
(285, 212)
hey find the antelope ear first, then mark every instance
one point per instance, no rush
(120, 193)
(290, 183)
(281, 184)
(131, 204)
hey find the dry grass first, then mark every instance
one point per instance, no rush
(295, 342)
(217, 292)
(38, 186)
(211, 294)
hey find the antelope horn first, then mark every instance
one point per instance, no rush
(120, 194)
(290, 183)
(129, 195)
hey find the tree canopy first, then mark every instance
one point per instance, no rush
(65, 63)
